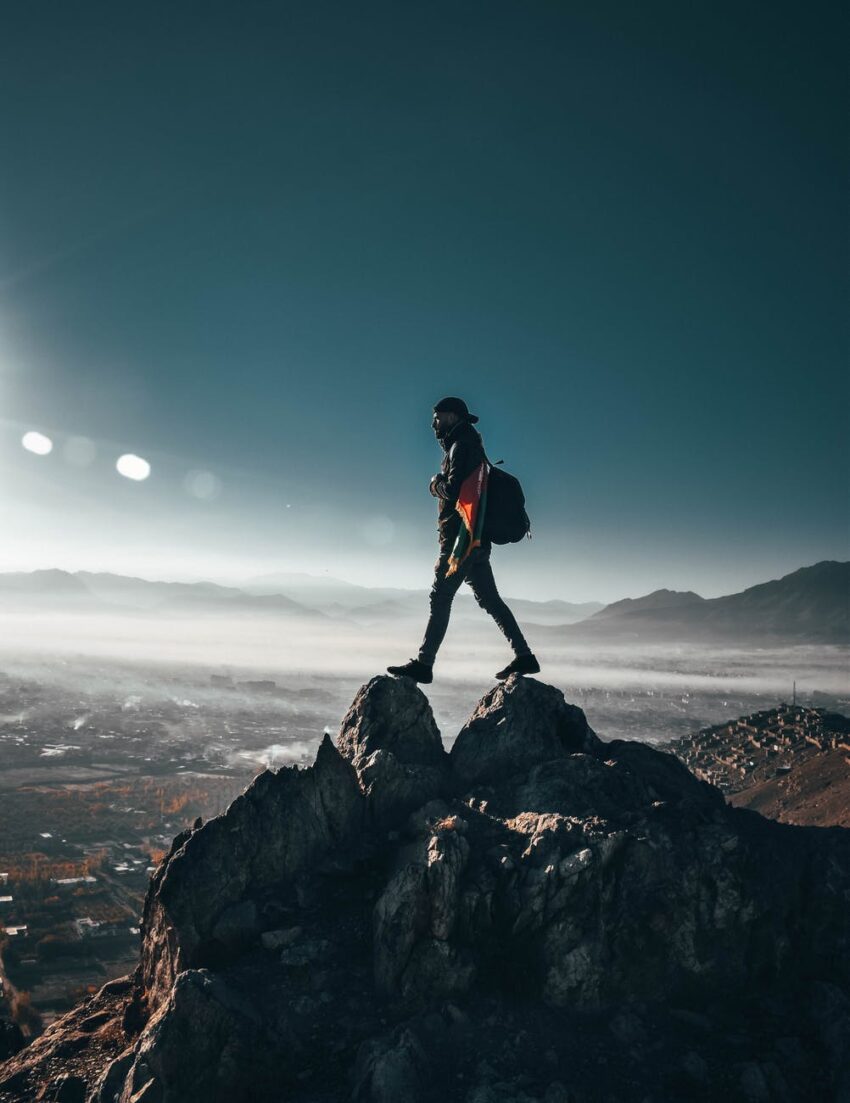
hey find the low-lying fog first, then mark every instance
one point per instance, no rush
(651, 693)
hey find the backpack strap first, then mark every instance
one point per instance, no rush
(487, 458)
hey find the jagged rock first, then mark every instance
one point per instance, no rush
(207, 1043)
(415, 919)
(65, 1089)
(236, 926)
(276, 940)
(305, 953)
(537, 909)
(520, 724)
(390, 737)
(421, 823)
(622, 782)
(70, 1048)
(109, 1087)
(829, 1009)
(391, 1069)
(283, 824)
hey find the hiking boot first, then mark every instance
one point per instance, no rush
(415, 669)
(522, 664)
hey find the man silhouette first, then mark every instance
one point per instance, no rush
(464, 551)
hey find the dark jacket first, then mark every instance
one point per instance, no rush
(463, 453)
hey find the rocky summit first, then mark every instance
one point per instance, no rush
(538, 916)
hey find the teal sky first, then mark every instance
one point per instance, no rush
(259, 241)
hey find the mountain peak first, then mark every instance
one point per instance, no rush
(658, 599)
(418, 925)
(49, 580)
(810, 605)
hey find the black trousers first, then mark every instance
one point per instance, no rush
(476, 570)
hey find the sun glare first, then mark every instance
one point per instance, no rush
(133, 467)
(37, 442)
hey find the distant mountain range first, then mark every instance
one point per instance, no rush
(320, 591)
(288, 595)
(811, 605)
(658, 600)
(83, 591)
(373, 605)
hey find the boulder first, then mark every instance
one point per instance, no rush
(390, 738)
(520, 724)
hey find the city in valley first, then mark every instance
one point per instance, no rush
(94, 787)
(105, 761)
(768, 744)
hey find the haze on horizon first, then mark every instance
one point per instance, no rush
(254, 246)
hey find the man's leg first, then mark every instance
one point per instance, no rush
(480, 578)
(442, 594)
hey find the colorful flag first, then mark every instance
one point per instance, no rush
(471, 505)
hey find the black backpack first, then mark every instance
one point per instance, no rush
(505, 519)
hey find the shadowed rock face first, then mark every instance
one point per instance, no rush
(519, 724)
(390, 738)
(202, 903)
(538, 916)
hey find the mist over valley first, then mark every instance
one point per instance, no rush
(325, 637)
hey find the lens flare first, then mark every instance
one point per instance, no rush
(202, 484)
(37, 442)
(133, 467)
